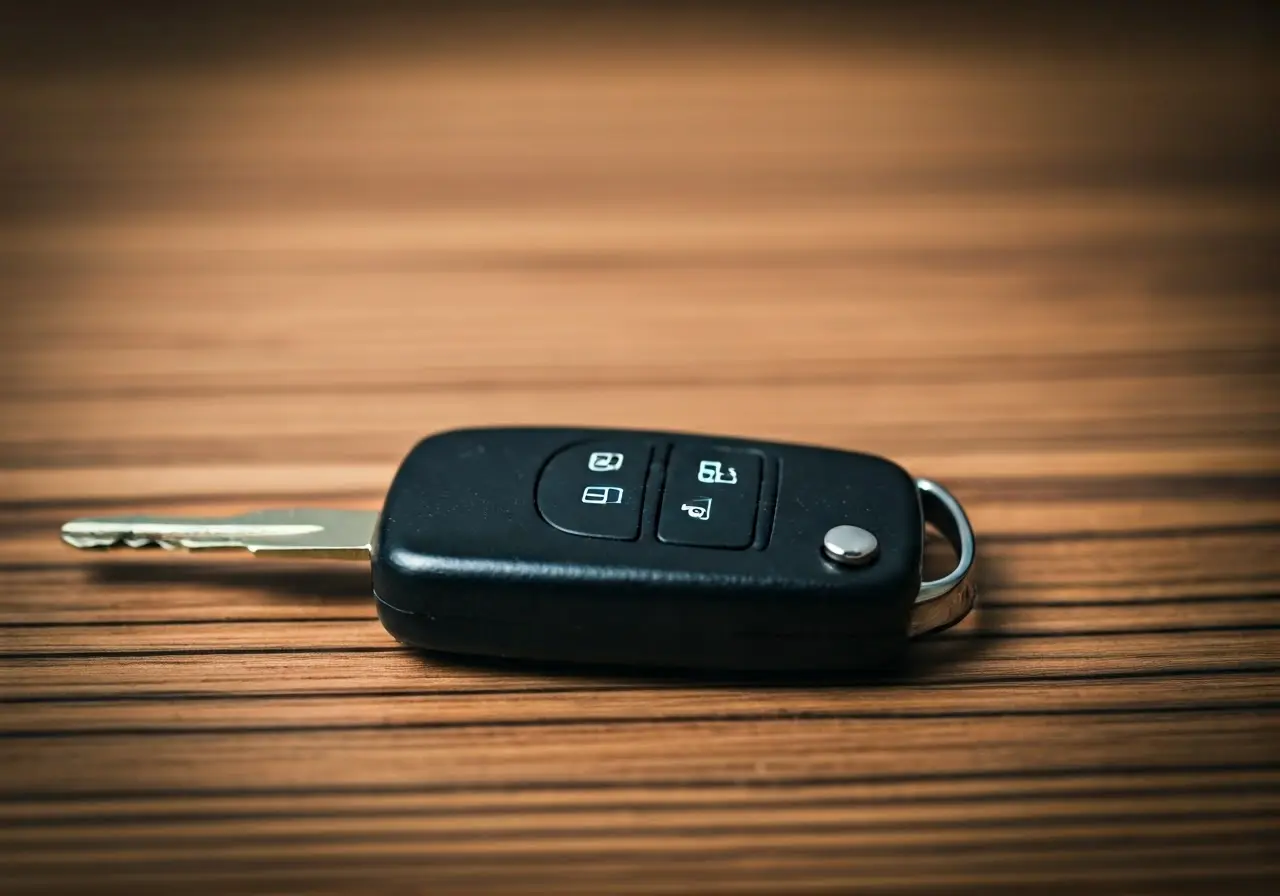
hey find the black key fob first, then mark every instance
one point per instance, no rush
(661, 549)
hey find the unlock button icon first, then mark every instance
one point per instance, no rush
(712, 471)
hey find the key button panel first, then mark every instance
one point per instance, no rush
(710, 498)
(596, 489)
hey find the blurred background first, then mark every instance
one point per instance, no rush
(249, 254)
(717, 217)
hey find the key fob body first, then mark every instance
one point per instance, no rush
(645, 548)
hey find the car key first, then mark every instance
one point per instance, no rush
(627, 547)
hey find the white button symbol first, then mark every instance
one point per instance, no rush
(602, 494)
(698, 508)
(710, 471)
(604, 461)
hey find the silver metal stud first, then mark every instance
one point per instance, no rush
(850, 545)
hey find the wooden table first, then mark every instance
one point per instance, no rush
(252, 271)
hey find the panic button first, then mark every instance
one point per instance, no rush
(710, 498)
(596, 489)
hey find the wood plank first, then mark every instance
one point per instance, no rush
(479, 702)
(727, 750)
(999, 617)
(383, 666)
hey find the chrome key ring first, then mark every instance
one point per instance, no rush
(941, 603)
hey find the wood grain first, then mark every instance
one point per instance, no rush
(235, 279)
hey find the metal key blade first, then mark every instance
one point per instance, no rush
(305, 532)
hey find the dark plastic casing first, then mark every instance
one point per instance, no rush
(464, 563)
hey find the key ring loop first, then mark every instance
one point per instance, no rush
(943, 602)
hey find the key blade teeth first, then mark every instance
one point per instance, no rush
(89, 542)
(107, 542)
(146, 534)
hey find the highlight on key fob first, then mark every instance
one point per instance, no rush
(626, 547)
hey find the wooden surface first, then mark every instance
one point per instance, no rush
(237, 278)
